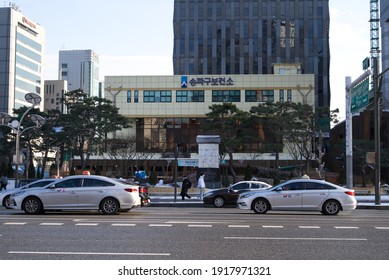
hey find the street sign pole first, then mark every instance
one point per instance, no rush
(349, 136)
(349, 133)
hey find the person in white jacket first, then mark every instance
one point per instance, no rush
(201, 185)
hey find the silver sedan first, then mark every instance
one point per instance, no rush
(300, 194)
(6, 194)
(79, 192)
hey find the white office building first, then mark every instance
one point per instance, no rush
(55, 91)
(81, 69)
(22, 44)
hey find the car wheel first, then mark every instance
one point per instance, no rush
(260, 206)
(331, 207)
(219, 202)
(6, 202)
(110, 206)
(32, 206)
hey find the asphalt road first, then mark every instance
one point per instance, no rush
(174, 233)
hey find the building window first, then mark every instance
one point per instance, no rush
(157, 96)
(64, 65)
(64, 73)
(226, 96)
(268, 96)
(136, 96)
(163, 134)
(189, 96)
(289, 95)
(259, 95)
(128, 96)
(282, 95)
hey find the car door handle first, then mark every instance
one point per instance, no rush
(100, 191)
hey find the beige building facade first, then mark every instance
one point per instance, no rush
(169, 110)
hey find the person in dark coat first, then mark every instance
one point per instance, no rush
(186, 184)
(3, 181)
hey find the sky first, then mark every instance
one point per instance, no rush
(135, 37)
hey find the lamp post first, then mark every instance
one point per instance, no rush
(114, 99)
(7, 120)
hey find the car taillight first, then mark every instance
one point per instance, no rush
(352, 193)
(142, 190)
(131, 190)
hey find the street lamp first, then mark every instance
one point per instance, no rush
(114, 94)
(7, 120)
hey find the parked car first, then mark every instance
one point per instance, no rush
(228, 196)
(300, 194)
(79, 192)
(6, 194)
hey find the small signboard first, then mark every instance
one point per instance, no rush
(188, 162)
(360, 96)
(366, 63)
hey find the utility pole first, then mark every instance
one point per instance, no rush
(374, 50)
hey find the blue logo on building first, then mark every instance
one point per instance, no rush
(184, 81)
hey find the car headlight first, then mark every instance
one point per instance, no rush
(246, 195)
(18, 193)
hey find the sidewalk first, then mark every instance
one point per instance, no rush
(165, 198)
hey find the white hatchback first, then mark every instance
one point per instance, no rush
(79, 192)
(300, 194)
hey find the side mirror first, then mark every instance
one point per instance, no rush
(279, 189)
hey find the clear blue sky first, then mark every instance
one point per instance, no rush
(135, 37)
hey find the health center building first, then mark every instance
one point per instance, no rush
(166, 111)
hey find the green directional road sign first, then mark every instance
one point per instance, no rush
(360, 96)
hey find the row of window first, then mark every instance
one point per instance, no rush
(29, 42)
(182, 96)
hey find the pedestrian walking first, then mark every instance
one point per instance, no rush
(3, 182)
(186, 184)
(201, 185)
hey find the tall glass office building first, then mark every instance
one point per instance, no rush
(249, 37)
(22, 44)
(81, 69)
(384, 9)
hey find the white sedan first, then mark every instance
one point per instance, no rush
(79, 192)
(300, 194)
(6, 194)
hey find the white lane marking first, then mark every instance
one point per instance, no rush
(123, 225)
(89, 253)
(14, 223)
(273, 226)
(51, 224)
(207, 226)
(86, 224)
(308, 227)
(291, 238)
(238, 226)
(381, 227)
(159, 225)
(194, 222)
(347, 227)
